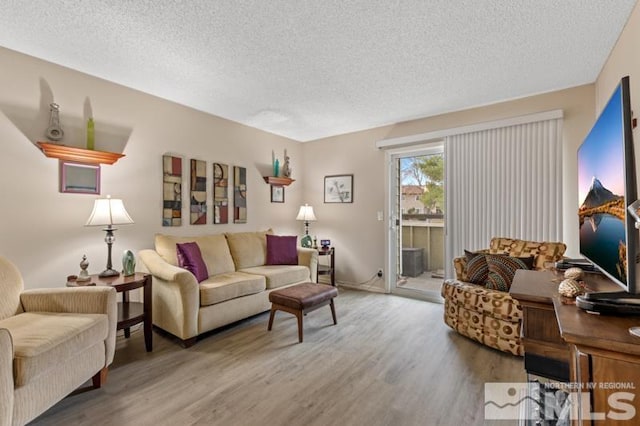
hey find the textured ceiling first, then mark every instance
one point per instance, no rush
(309, 69)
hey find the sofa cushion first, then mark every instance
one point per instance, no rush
(248, 249)
(214, 249)
(282, 250)
(190, 258)
(43, 341)
(543, 251)
(219, 288)
(281, 275)
(477, 270)
(503, 268)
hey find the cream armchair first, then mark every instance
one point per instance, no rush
(51, 342)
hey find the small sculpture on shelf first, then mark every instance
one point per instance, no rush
(128, 263)
(570, 288)
(572, 285)
(574, 273)
(54, 131)
(286, 168)
(84, 264)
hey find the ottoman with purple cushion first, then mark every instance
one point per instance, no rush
(300, 299)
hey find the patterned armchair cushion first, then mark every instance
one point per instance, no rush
(497, 304)
(460, 266)
(502, 269)
(543, 251)
(490, 317)
(477, 269)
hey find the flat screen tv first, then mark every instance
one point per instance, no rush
(606, 187)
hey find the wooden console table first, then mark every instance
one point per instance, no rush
(545, 352)
(602, 357)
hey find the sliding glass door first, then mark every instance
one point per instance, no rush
(416, 233)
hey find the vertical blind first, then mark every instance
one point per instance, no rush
(503, 182)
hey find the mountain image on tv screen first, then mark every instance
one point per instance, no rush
(601, 183)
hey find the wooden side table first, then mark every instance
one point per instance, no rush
(327, 269)
(132, 313)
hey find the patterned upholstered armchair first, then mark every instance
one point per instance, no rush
(491, 316)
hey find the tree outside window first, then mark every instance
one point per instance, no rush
(427, 172)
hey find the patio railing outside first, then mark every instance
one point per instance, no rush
(420, 231)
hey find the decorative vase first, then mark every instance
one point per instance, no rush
(276, 168)
(128, 263)
(91, 136)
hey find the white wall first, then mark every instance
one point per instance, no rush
(624, 60)
(360, 238)
(42, 230)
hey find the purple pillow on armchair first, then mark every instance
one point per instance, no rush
(282, 250)
(190, 258)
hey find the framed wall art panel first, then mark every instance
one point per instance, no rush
(277, 194)
(198, 203)
(338, 189)
(239, 194)
(171, 190)
(220, 193)
(79, 178)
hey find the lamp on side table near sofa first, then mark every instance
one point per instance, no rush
(108, 212)
(306, 214)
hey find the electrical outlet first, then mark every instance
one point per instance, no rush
(380, 273)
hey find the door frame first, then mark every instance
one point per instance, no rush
(391, 194)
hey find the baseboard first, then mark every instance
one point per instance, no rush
(361, 287)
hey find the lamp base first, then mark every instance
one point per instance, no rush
(108, 273)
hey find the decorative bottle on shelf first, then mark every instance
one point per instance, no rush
(91, 135)
(276, 168)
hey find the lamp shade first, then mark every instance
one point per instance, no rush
(108, 211)
(306, 214)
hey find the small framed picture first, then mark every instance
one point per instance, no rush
(277, 194)
(338, 189)
(79, 178)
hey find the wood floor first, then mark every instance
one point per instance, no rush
(389, 361)
(423, 282)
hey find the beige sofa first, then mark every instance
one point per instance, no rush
(238, 286)
(51, 342)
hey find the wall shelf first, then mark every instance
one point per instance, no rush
(278, 181)
(80, 155)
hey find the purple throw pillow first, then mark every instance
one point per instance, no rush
(190, 258)
(282, 250)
